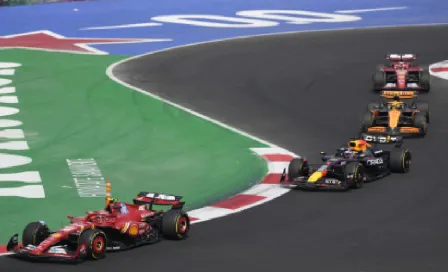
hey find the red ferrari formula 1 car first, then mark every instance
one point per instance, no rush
(401, 74)
(119, 226)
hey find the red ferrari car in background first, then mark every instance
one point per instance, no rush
(119, 226)
(401, 74)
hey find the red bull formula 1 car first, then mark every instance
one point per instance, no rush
(348, 168)
(401, 74)
(119, 226)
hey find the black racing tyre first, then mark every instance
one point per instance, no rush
(424, 107)
(420, 122)
(379, 80)
(297, 167)
(400, 160)
(34, 233)
(354, 175)
(367, 120)
(425, 78)
(175, 225)
(93, 243)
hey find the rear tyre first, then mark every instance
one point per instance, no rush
(354, 175)
(420, 122)
(34, 233)
(298, 167)
(175, 225)
(424, 107)
(92, 244)
(379, 78)
(425, 78)
(367, 120)
(400, 160)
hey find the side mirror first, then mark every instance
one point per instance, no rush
(323, 153)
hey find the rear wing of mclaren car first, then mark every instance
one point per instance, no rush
(399, 94)
(145, 198)
(401, 57)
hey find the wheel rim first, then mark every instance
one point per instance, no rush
(407, 162)
(182, 225)
(98, 244)
(359, 178)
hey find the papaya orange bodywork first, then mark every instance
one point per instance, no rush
(409, 130)
(394, 117)
(376, 129)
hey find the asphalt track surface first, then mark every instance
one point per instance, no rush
(304, 92)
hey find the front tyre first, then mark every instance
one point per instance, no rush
(379, 80)
(92, 244)
(420, 121)
(34, 233)
(400, 160)
(425, 79)
(354, 175)
(175, 225)
(298, 167)
(423, 107)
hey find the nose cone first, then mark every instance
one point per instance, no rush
(394, 117)
(315, 177)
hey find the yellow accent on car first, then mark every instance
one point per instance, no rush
(125, 227)
(133, 230)
(315, 177)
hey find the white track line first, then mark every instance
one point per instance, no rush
(369, 10)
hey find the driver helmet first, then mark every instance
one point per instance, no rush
(396, 105)
(357, 145)
(113, 204)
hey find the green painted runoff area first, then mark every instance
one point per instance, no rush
(71, 109)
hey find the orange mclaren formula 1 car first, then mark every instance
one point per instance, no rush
(391, 118)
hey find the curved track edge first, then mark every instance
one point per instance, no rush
(266, 190)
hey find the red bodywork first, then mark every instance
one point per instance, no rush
(401, 69)
(130, 223)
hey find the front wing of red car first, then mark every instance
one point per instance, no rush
(56, 253)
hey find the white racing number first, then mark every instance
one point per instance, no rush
(30, 247)
(332, 181)
(375, 161)
(380, 139)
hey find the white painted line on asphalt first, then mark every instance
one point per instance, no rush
(121, 26)
(369, 10)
